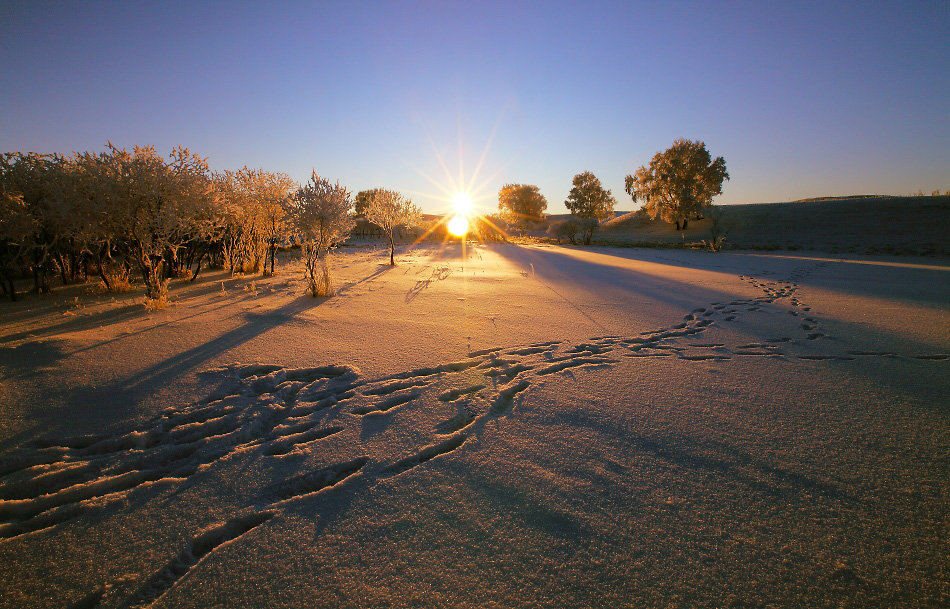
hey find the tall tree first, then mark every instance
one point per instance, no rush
(589, 199)
(679, 182)
(521, 203)
(321, 213)
(389, 210)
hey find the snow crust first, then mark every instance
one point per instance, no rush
(504, 426)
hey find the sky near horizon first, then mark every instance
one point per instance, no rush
(801, 99)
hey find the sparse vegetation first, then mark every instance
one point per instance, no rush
(389, 210)
(719, 227)
(124, 214)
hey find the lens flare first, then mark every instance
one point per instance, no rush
(458, 226)
(463, 203)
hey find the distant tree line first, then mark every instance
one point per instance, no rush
(128, 215)
(678, 184)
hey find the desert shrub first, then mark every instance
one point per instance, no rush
(389, 211)
(157, 298)
(119, 282)
(489, 228)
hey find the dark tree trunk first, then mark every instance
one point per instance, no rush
(36, 272)
(392, 250)
(61, 262)
(685, 222)
(198, 268)
(677, 225)
(102, 273)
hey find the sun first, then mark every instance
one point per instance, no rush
(462, 202)
(458, 225)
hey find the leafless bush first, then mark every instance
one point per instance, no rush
(719, 228)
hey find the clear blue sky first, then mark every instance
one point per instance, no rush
(802, 99)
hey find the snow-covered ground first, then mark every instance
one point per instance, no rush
(507, 426)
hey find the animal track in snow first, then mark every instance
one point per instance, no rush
(314, 482)
(199, 548)
(426, 454)
(276, 411)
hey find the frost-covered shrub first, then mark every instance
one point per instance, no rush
(587, 227)
(719, 228)
(564, 229)
(321, 214)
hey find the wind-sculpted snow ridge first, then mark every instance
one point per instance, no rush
(280, 414)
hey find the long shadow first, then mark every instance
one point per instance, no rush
(382, 269)
(438, 274)
(601, 278)
(23, 360)
(79, 323)
(717, 457)
(118, 314)
(925, 282)
(563, 273)
(847, 335)
(123, 395)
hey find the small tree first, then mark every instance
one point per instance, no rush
(719, 228)
(322, 216)
(589, 199)
(679, 182)
(521, 203)
(587, 227)
(564, 229)
(389, 210)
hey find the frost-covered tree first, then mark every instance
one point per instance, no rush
(679, 182)
(16, 228)
(589, 199)
(253, 208)
(521, 203)
(37, 182)
(389, 210)
(321, 214)
(155, 202)
(362, 200)
(256, 214)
